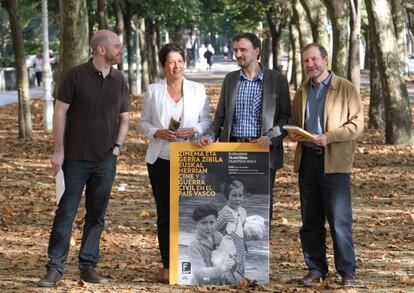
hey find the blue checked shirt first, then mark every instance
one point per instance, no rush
(248, 110)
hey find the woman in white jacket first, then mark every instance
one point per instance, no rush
(174, 109)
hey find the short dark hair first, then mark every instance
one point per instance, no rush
(321, 48)
(166, 49)
(252, 38)
(204, 210)
(230, 184)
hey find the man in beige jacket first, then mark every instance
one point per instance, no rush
(329, 107)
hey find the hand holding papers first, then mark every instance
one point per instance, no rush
(60, 185)
(299, 131)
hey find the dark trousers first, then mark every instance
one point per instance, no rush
(159, 175)
(98, 178)
(325, 196)
(38, 77)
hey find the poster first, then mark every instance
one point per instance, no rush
(219, 222)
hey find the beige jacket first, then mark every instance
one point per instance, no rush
(343, 123)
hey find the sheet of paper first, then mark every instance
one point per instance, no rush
(60, 185)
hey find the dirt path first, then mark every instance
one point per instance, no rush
(383, 201)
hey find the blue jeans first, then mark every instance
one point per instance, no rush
(98, 178)
(325, 196)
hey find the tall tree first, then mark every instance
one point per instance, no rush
(337, 11)
(266, 48)
(296, 76)
(127, 13)
(354, 70)
(46, 72)
(102, 6)
(318, 20)
(398, 19)
(144, 55)
(305, 33)
(376, 119)
(119, 26)
(24, 114)
(74, 35)
(276, 20)
(152, 48)
(398, 120)
(4, 32)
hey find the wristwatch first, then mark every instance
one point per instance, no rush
(196, 133)
(118, 145)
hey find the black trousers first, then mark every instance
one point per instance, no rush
(159, 175)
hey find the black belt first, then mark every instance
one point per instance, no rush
(314, 150)
(241, 139)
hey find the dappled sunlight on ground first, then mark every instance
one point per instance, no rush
(383, 204)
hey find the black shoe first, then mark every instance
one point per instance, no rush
(92, 276)
(50, 279)
(348, 279)
(310, 279)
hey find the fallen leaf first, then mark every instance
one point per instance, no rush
(144, 214)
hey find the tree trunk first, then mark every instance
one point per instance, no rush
(177, 36)
(354, 70)
(410, 42)
(129, 40)
(144, 56)
(91, 20)
(305, 32)
(318, 20)
(296, 77)
(376, 101)
(289, 60)
(337, 11)
(275, 27)
(266, 48)
(367, 57)
(119, 28)
(22, 79)
(74, 36)
(399, 21)
(4, 37)
(46, 72)
(102, 14)
(151, 41)
(398, 120)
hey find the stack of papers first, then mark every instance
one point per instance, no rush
(299, 131)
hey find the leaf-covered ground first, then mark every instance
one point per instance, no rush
(383, 205)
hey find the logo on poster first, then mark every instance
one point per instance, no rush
(186, 267)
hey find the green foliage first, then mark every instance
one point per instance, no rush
(31, 24)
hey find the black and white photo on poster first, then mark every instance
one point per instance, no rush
(223, 226)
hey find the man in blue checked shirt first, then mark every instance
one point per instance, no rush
(254, 105)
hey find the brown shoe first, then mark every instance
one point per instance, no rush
(92, 276)
(50, 279)
(163, 275)
(348, 279)
(310, 279)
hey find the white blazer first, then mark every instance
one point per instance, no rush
(154, 114)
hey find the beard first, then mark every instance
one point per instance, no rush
(314, 73)
(114, 59)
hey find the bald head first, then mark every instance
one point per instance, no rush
(101, 38)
